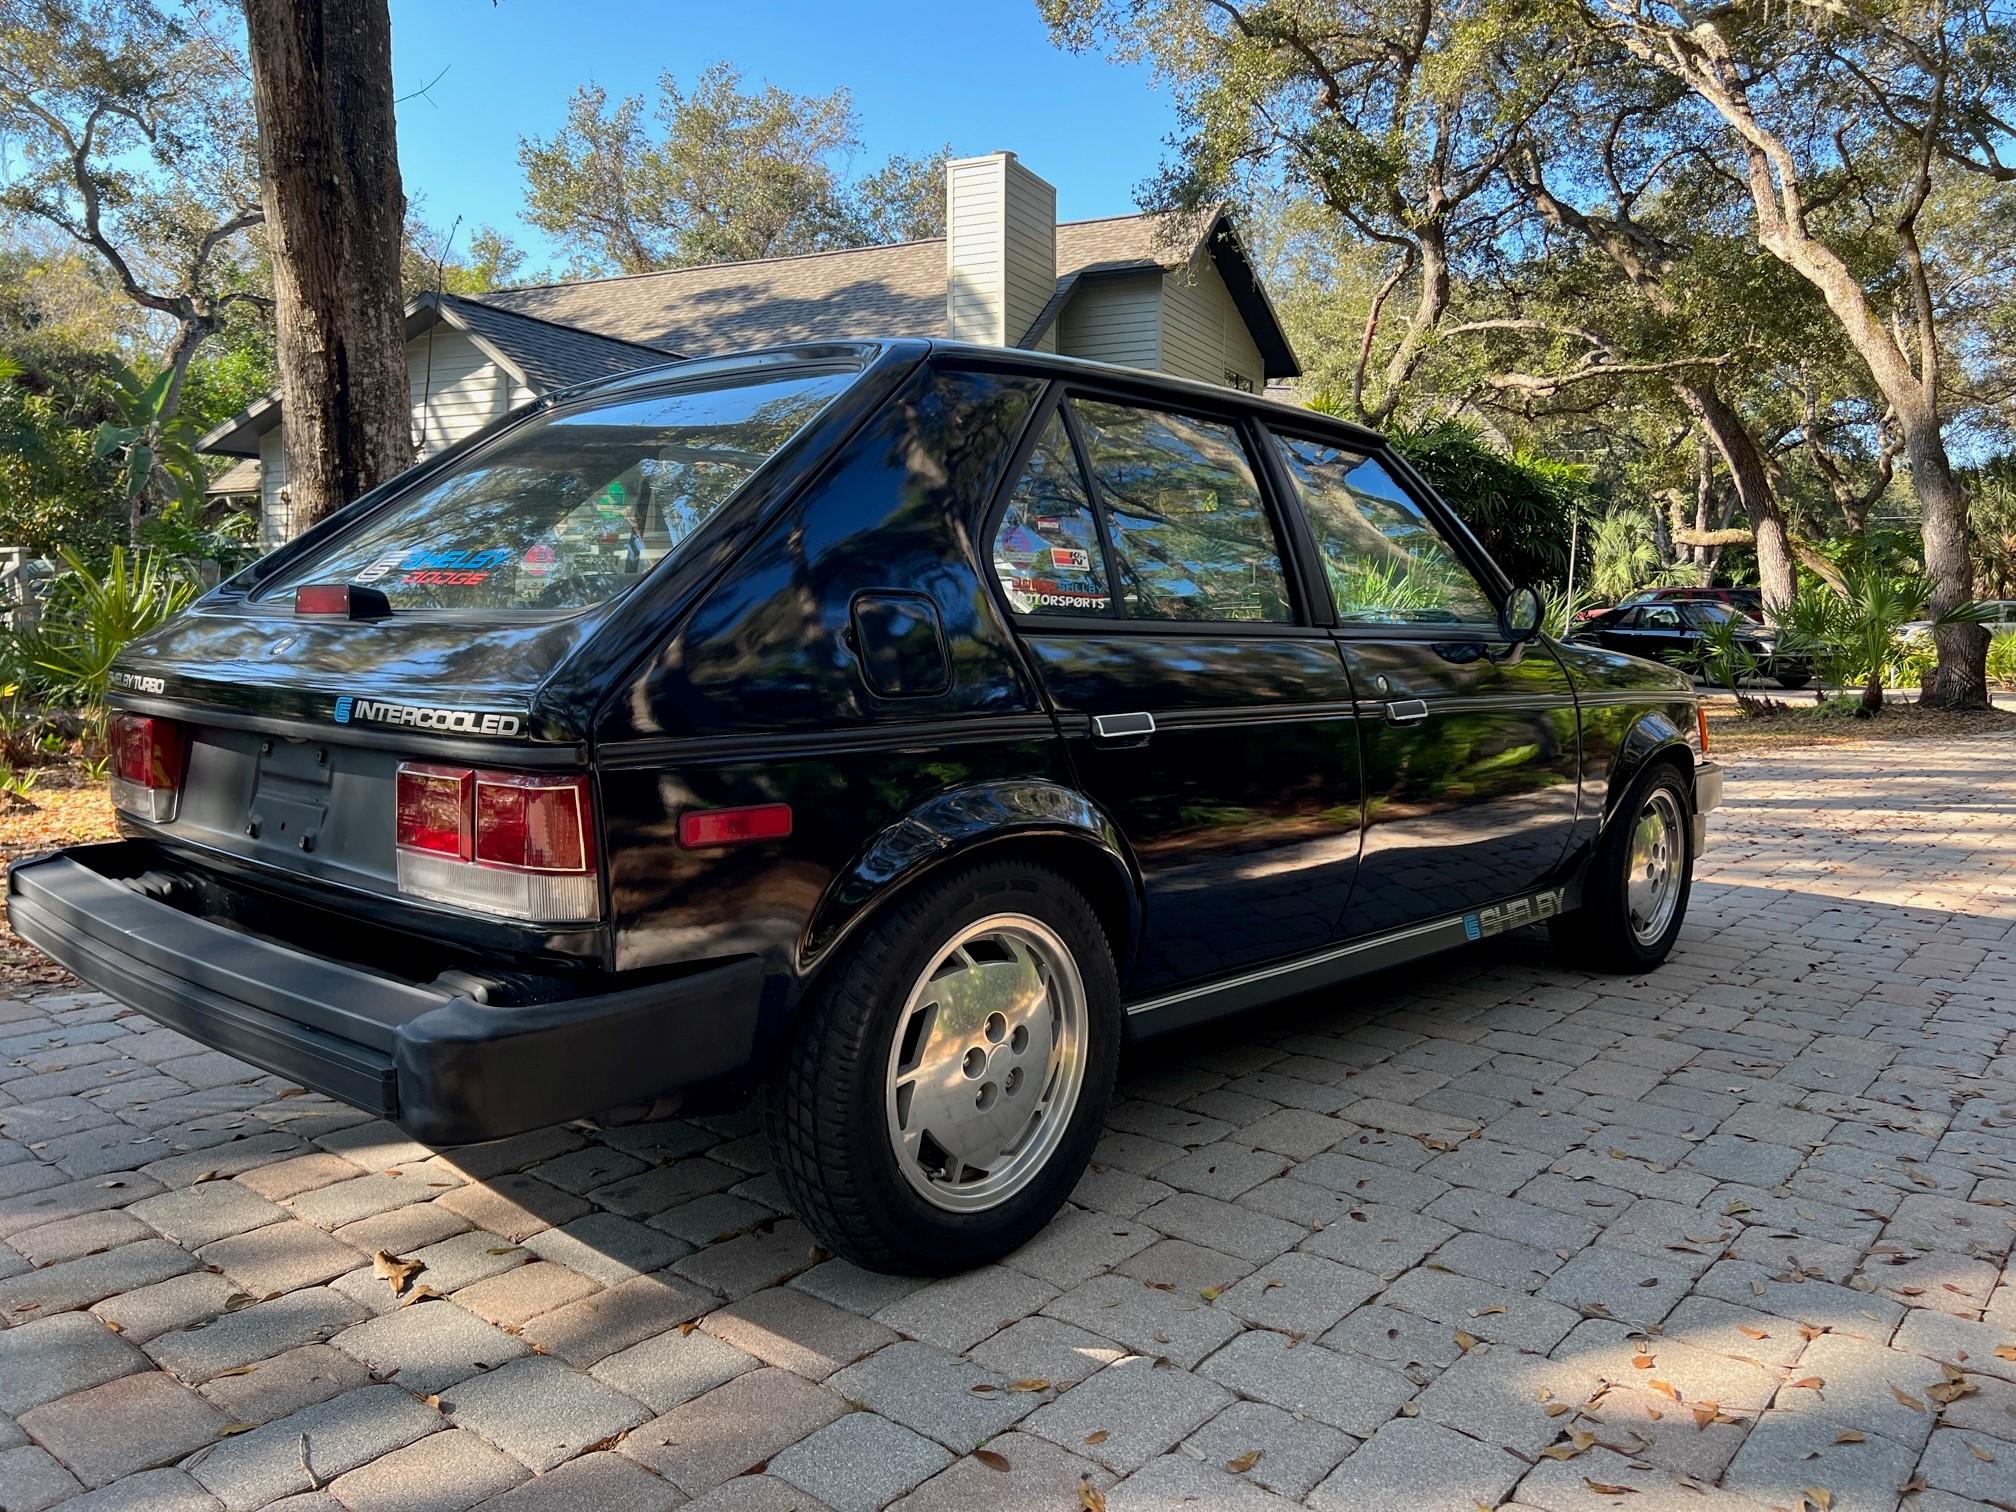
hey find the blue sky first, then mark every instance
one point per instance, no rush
(982, 75)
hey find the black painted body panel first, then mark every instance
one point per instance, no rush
(835, 640)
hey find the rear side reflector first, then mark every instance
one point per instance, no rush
(700, 828)
(514, 843)
(148, 756)
(1701, 723)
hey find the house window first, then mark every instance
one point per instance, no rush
(1238, 381)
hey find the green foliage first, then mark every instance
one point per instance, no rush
(2002, 659)
(1855, 634)
(1521, 506)
(1722, 658)
(1622, 557)
(730, 174)
(92, 614)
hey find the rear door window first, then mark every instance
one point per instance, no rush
(1046, 548)
(1190, 535)
(573, 508)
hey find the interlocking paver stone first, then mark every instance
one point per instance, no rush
(1799, 1129)
(798, 1331)
(1342, 1390)
(255, 1333)
(429, 1346)
(1415, 1464)
(1293, 1454)
(444, 1472)
(860, 1462)
(54, 1357)
(285, 1384)
(540, 1412)
(134, 1423)
(342, 1433)
(933, 1392)
(733, 1428)
(1142, 1409)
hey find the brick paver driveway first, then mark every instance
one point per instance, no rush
(1727, 1236)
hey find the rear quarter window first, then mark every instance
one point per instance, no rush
(575, 507)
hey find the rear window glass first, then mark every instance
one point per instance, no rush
(574, 508)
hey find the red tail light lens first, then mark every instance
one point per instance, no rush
(148, 758)
(514, 843)
(434, 810)
(529, 823)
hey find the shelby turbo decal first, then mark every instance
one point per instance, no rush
(133, 682)
(1500, 917)
(353, 710)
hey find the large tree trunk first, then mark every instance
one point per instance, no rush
(322, 89)
(1752, 482)
(1960, 680)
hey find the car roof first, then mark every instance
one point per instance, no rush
(865, 353)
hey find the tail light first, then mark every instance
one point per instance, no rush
(148, 757)
(521, 844)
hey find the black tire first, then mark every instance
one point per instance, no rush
(824, 1105)
(1599, 935)
(1792, 677)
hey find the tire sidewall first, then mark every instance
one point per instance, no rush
(956, 1241)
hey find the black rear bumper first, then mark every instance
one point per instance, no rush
(448, 1069)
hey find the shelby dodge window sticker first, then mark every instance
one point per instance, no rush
(1045, 562)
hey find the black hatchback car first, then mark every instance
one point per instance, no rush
(888, 731)
(1677, 631)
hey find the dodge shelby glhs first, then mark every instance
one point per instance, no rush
(887, 731)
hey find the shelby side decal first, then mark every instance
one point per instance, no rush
(353, 710)
(1500, 917)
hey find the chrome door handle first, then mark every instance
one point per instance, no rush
(1406, 711)
(1131, 729)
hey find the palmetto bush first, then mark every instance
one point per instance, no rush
(2002, 659)
(1855, 633)
(92, 614)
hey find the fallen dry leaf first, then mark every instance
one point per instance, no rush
(1604, 1488)
(398, 1273)
(992, 1459)
(1907, 1399)
(1090, 1497)
(1665, 1389)
(1849, 1436)
(232, 1430)
(1978, 1452)
(1820, 1496)
(1809, 1383)
(1244, 1462)
(419, 1293)
(1464, 1341)
(1034, 1383)
(1098, 1436)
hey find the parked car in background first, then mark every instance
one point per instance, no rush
(886, 731)
(1672, 631)
(2000, 620)
(1749, 600)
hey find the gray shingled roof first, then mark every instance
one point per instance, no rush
(548, 356)
(863, 292)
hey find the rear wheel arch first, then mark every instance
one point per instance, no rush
(989, 822)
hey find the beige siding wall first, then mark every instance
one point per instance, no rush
(1000, 248)
(1203, 334)
(460, 393)
(1115, 320)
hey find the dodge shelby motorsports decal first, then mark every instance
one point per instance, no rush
(353, 710)
(1500, 917)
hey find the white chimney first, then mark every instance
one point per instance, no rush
(1000, 248)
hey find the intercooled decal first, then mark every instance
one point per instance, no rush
(351, 709)
(1520, 912)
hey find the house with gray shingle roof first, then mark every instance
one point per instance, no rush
(1169, 293)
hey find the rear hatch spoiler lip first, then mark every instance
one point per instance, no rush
(569, 753)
